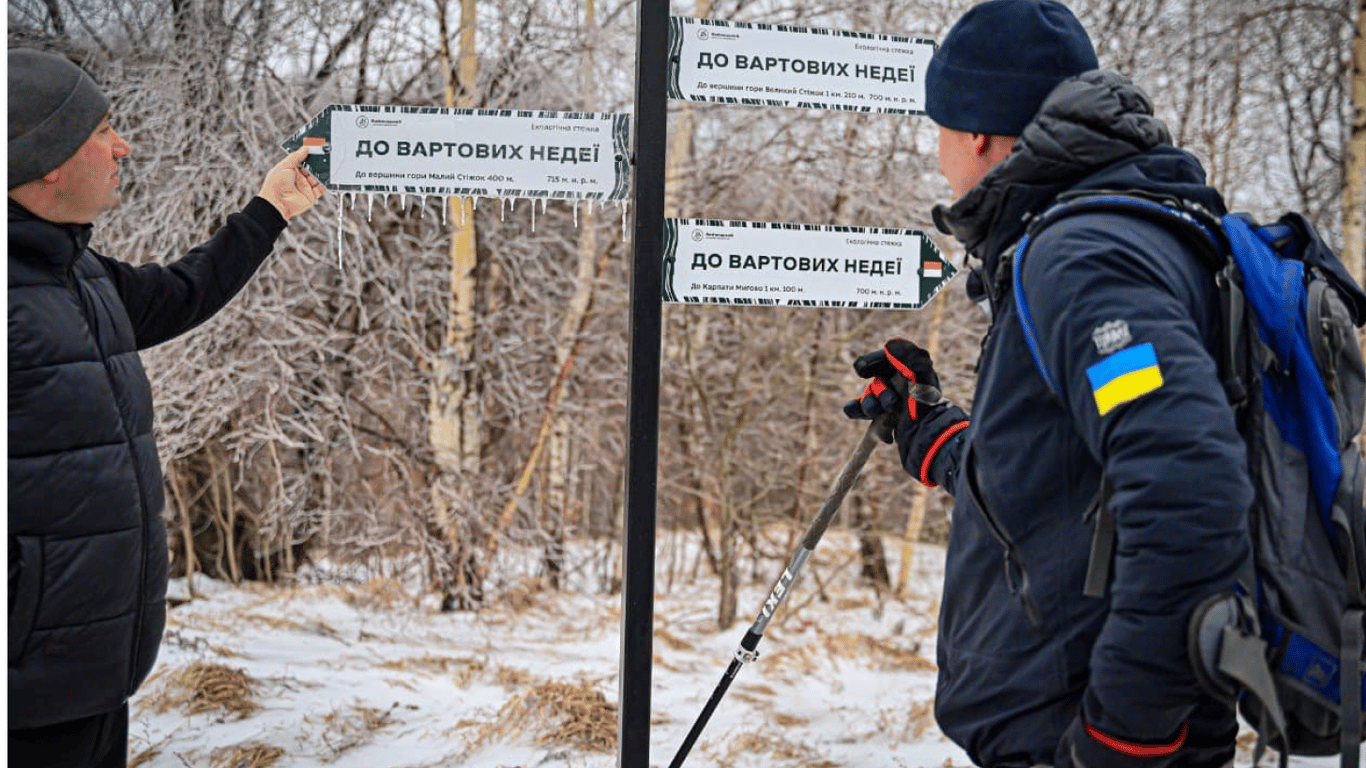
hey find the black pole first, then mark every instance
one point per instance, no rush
(642, 413)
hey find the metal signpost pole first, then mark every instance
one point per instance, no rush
(642, 454)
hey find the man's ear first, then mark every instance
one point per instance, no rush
(993, 148)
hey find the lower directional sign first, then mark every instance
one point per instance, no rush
(800, 265)
(468, 152)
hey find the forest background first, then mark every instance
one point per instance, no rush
(417, 380)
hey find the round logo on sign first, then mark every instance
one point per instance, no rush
(362, 122)
(697, 235)
(702, 34)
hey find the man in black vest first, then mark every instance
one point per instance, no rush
(87, 545)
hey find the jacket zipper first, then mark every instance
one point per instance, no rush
(1016, 575)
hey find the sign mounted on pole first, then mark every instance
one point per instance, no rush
(468, 152)
(776, 65)
(800, 265)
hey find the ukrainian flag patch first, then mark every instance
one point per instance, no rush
(1126, 375)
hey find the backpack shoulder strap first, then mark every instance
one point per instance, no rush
(1194, 226)
(1190, 222)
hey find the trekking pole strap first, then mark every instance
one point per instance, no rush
(1352, 645)
(1242, 656)
(1232, 306)
(1102, 543)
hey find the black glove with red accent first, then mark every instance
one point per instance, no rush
(903, 383)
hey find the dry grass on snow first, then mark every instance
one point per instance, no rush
(202, 687)
(557, 714)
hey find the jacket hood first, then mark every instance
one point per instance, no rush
(1094, 131)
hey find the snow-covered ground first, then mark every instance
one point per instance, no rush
(365, 674)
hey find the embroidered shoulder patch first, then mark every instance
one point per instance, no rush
(1124, 376)
(1111, 336)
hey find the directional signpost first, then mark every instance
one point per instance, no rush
(737, 262)
(800, 265)
(468, 152)
(579, 155)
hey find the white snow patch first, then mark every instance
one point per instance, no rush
(370, 675)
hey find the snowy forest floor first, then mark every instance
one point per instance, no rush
(364, 674)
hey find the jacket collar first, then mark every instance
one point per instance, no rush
(38, 239)
(1087, 124)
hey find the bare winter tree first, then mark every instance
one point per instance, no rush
(309, 420)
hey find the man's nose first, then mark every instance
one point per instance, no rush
(121, 147)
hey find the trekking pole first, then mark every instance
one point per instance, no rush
(880, 426)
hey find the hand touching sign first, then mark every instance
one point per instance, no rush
(290, 187)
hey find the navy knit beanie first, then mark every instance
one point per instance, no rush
(1000, 61)
(54, 106)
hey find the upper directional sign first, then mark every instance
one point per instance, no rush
(800, 265)
(783, 66)
(468, 152)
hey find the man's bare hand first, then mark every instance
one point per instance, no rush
(290, 187)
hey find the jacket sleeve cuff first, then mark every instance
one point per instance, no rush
(923, 441)
(1085, 746)
(268, 216)
(935, 448)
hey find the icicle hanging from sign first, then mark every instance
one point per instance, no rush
(341, 208)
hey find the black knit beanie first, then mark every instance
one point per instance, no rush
(54, 107)
(1000, 61)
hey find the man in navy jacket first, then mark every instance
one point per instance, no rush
(1032, 672)
(87, 545)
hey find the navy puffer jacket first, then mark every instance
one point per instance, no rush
(87, 545)
(1023, 656)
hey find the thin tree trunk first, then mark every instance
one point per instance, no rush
(54, 17)
(726, 538)
(1354, 194)
(679, 161)
(455, 426)
(591, 265)
(186, 530)
(572, 340)
(916, 520)
(872, 555)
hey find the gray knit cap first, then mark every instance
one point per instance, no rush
(54, 107)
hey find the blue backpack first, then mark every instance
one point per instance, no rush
(1288, 644)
